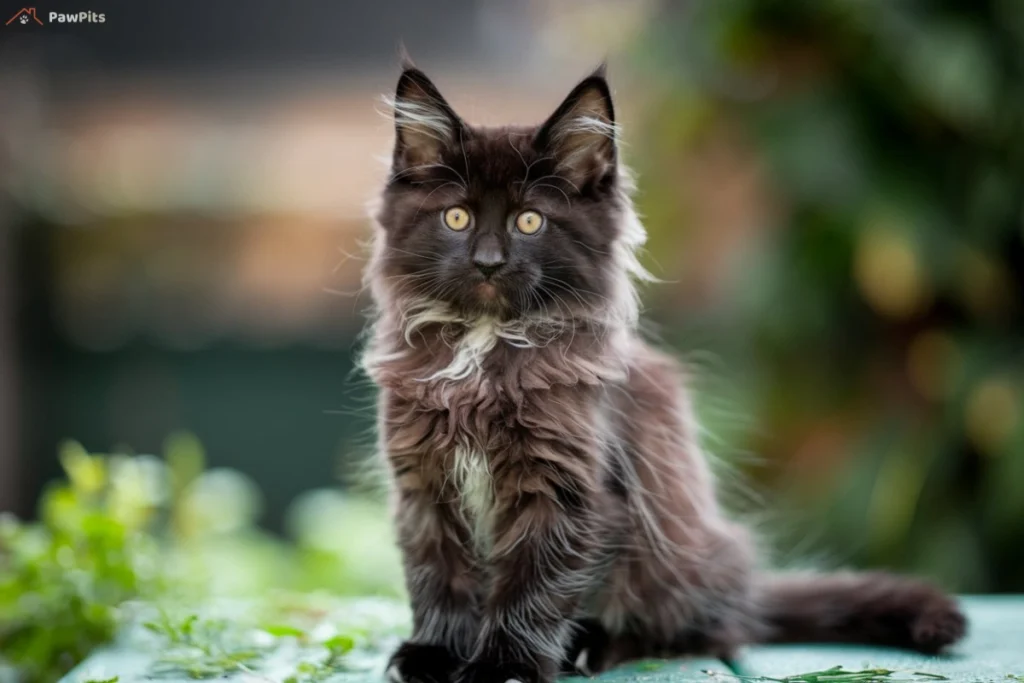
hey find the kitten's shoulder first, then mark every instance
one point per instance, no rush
(655, 375)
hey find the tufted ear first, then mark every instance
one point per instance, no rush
(581, 134)
(425, 125)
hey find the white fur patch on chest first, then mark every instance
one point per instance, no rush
(479, 339)
(472, 479)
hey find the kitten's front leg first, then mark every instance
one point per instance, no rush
(542, 560)
(443, 588)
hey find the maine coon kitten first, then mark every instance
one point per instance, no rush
(552, 502)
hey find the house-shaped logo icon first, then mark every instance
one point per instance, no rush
(23, 16)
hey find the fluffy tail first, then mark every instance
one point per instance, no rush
(869, 608)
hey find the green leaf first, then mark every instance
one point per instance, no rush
(284, 631)
(187, 624)
(340, 644)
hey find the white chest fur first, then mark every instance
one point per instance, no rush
(475, 489)
(479, 339)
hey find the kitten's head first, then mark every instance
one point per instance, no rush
(515, 222)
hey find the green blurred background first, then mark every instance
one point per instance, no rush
(834, 191)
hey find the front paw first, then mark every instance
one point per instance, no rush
(503, 672)
(588, 646)
(419, 663)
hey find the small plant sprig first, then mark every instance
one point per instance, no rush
(214, 648)
(206, 648)
(335, 661)
(837, 674)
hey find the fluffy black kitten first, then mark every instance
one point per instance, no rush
(553, 504)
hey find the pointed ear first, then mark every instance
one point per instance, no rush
(424, 123)
(581, 134)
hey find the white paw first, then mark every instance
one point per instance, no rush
(394, 675)
(513, 680)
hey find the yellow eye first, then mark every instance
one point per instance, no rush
(529, 222)
(456, 218)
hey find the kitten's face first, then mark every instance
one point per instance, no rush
(510, 222)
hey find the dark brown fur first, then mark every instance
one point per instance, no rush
(552, 501)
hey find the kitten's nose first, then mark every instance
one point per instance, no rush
(487, 257)
(488, 269)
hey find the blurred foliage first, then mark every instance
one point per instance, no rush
(278, 636)
(62, 579)
(870, 313)
(130, 527)
(299, 646)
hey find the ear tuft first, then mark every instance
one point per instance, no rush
(424, 122)
(403, 57)
(581, 134)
